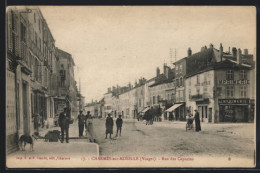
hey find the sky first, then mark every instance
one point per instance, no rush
(115, 45)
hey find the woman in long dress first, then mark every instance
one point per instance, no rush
(197, 120)
(90, 129)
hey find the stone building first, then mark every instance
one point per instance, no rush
(31, 73)
(222, 86)
(67, 91)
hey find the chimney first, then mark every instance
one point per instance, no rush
(189, 52)
(203, 48)
(239, 61)
(211, 45)
(234, 51)
(157, 71)
(221, 51)
(245, 51)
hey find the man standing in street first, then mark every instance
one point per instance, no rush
(197, 120)
(81, 121)
(64, 122)
(86, 124)
(109, 126)
(119, 123)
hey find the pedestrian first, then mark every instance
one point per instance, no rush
(147, 117)
(36, 121)
(109, 126)
(119, 123)
(90, 129)
(197, 120)
(64, 121)
(86, 124)
(81, 122)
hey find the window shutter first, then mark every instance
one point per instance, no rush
(9, 30)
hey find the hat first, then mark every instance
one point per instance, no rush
(195, 110)
(88, 112)
(80, 111)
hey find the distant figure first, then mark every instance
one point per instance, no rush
(197, 120)
(90, 129)
(109, 126)
(81, 122)
(64, 122)
(119, 123)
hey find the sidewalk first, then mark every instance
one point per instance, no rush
(48, 154)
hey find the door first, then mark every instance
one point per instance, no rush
(210, 115)
(25, 109)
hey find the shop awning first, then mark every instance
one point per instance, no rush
(173, 107)
(146, 109)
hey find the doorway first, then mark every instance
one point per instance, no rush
(25, 108)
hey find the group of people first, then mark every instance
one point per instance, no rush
(110, 124)
(87, 121)
(196, 118)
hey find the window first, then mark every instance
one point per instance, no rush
(23, 33)
(158, 99)
(229, 75)
(198, 79)
(177, 96)
(140, 103)
(177, 68)
(39, 25)
(180, 68)
(243, 90)
(153, 99)
(230, 91)
(181, 81)
(190, 82)
(181, 95)
(35, 38)
(177, 82)
(40, 44)
(198, 90)
(242, 74)
(189, 93)
(34, 17)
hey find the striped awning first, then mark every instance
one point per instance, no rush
(173, 107)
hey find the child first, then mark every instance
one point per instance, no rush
(119, 123)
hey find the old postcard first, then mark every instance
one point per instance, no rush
(130, 86)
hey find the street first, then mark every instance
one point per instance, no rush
(170, 139)
(154, 145)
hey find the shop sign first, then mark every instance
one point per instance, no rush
(233, 101)
(233, 82)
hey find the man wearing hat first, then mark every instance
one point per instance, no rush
(109, 126)
(197, 120)
(81, 121)
(64, 122)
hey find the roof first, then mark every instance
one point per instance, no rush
(226, 64)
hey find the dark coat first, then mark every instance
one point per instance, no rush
(64, 120)
(119, 122)
(81, 119)
(197, 121)
(109, 125)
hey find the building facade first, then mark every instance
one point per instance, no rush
(221, 88)
(31, 73)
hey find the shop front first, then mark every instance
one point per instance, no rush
(205, 110)
(233, 110)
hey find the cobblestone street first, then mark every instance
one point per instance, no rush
(169, 139)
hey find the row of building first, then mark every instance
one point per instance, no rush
(39, 76)
(220, 85)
